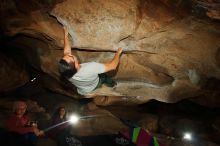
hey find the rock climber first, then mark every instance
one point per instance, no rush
(86, 76)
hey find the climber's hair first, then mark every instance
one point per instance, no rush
(66, 69)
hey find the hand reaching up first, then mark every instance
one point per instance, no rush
(119, 51)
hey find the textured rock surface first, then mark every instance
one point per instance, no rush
(12, 73)
(173, 120)
(170, 48)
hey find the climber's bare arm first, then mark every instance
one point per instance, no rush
(115, 61)
(67, 48)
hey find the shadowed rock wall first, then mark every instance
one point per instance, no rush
(171, 48)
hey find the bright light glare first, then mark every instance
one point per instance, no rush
(187, 136)
(74, 119)
(33, 79)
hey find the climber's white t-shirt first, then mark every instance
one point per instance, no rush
(87, 79)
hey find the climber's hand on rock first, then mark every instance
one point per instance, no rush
(119, 51)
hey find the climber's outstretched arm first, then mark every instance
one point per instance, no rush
(67, 54)
(67, 48)
(115, 61)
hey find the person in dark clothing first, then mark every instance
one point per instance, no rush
(58, 118)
